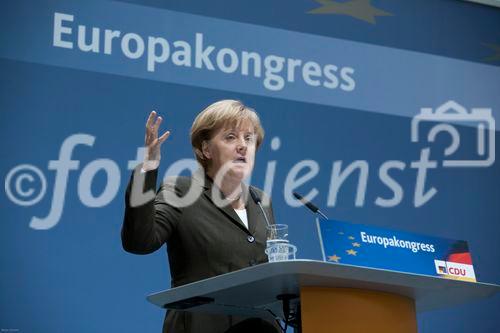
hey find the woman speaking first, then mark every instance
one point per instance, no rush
(208, 222)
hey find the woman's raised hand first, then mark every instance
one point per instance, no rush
(152, 142)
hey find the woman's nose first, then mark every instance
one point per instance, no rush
(242, 144)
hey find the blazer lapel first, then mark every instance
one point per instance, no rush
(227, 209)
(253, 212)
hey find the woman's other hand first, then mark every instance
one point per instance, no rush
(152, 142)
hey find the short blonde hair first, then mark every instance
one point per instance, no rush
(223, 113)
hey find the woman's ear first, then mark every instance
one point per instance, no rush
(205, 151)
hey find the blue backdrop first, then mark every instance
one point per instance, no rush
(334, 91)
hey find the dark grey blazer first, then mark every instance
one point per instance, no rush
(202, 239)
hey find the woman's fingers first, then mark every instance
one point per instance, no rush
(156, 126)
(150, 120)
(152, 126)
(149, 125)
(164, 137)
(152, 141)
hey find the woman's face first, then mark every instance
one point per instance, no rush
(232, 151)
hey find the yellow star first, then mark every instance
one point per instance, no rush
(351, 252)
(351, 238)
(334, 258)
(358, 9)
(356, 244)
(496, 55)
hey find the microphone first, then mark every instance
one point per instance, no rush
(309, 205)
(258, 201)
(315, 210)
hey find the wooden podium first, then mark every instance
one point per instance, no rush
(333, 297)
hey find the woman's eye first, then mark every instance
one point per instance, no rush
(230, 137)
(249, 138)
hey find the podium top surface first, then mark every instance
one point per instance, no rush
(255, 288)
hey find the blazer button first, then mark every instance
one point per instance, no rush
(251, 239)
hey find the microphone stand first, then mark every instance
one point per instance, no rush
(313, 208)
(320, 237)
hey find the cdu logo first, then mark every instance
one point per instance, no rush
(444, 118)
(442, 269)
(455, 270)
